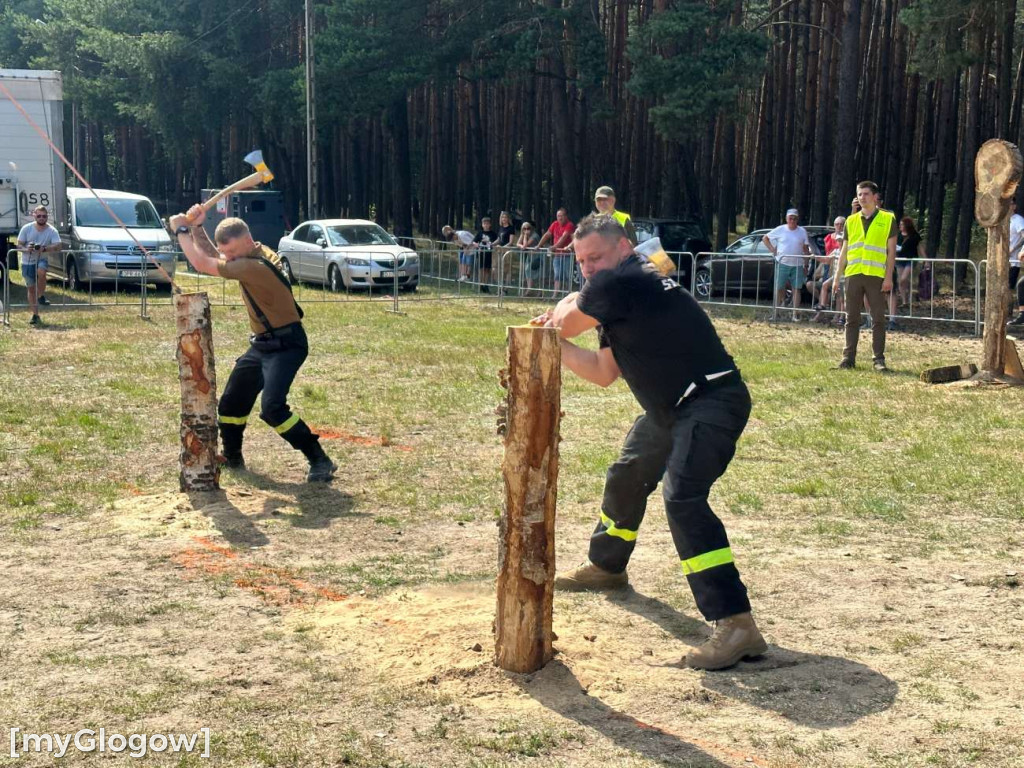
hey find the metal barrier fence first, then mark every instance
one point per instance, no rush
(931, 287)
(432, 271)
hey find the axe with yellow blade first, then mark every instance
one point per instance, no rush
(262, 176)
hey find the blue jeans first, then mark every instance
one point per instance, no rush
(562, 266)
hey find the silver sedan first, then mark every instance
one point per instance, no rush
(348, 254)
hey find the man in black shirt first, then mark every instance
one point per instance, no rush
(655, 336)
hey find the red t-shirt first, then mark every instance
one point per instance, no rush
(559, 231)
(832, 243)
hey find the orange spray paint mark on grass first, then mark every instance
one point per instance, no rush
(372, 442)
(279, 586)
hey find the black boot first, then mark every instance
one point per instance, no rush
(231, 441)
(301, 438)
(321, 468)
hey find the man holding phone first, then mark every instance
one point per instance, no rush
(35, 241)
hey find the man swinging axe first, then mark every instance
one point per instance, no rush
(278, 345)
(654, 335)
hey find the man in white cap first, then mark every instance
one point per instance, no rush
(789, 245)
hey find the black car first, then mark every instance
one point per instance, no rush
(747, 266)
(677, 236)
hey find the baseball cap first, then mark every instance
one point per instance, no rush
(792, 212)
(604, 192)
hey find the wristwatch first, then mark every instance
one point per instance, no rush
(184, 229)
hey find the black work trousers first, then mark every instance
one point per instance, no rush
(270, 367)
(689, 452)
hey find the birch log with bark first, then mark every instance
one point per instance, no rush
(199, 468)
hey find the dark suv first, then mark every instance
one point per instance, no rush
(677, 236)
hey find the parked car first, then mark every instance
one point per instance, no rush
(347, 254)
(677, 236)
(97, 249)
(746, 265)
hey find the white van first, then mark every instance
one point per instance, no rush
(98, 250)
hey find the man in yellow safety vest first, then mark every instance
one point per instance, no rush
(866, 263)
(604, 201)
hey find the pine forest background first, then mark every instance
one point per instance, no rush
(435, 111)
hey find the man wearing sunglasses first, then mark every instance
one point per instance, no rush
(35, 241)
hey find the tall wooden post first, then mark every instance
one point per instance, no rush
(199, 468)
(526, 549)
(997, 171)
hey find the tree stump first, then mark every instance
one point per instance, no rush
(997, 171)
(199, 468)
(526, 548)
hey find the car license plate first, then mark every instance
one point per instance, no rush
(401, 273)
(129, 273)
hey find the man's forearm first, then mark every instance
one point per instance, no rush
(196, 249)
(202, 241)
(586, 364)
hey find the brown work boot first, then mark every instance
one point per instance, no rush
(589, 576)
(735, 638)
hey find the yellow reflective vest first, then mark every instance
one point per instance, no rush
(866, 250)
(620, 217)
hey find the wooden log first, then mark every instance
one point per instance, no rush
(526, 547)
(948, 373)
(198, 464)
(997, 171)
(1013, 367)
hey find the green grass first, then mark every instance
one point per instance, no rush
(883, 469)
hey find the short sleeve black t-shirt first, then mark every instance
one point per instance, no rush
(909, 248)
(661, 338)
(486, 239)
(506, 235)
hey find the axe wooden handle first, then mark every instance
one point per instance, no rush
(252, 180)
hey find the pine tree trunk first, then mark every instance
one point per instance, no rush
(843, 169)
(398, 122)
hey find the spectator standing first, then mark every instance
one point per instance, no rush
(828, 262)
(911, 248)
(604, 202)
(485, 241)
(465, 242)
(506, 229)
(559, 234)
(529, 240)
(867, 262)
(505, 240)
(35, 241)
(789, 244)
(1016, 246)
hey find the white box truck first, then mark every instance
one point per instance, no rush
(31, 174)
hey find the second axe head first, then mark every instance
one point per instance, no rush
(255, 159)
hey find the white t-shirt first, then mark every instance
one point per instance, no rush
(30, 235)
(464, 238)
(789, 244)
(1016, 238)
